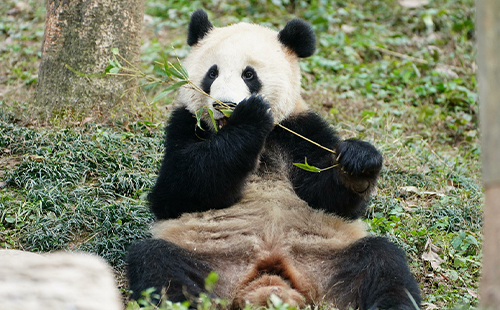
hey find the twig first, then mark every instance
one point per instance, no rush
(396, 54)
(308, 140)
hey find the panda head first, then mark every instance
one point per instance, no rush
(233, 62)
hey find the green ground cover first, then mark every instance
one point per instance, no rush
(402, 78)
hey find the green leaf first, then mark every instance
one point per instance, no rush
(459, 262)
(226, 112)
(115, 51)
(108, 69)
(115, 63)
(307, 167)
(211, 113)
(181, 69)
(198, 118)
(211, 280)
(168, 90)
(176, 70)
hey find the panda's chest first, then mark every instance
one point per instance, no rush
(269, 216)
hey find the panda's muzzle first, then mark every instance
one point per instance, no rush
(226, 110)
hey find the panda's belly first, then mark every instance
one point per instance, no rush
(269, 217)
(269, 220)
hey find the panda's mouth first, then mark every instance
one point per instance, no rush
(225, 109)
(221, 122)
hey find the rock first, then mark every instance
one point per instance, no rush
(59, 281)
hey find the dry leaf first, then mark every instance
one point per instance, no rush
(414, 190)
(429, 306)
(430, 254)
(36, 158)
(411, 4)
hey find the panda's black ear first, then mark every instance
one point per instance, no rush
(299, 37)
(199, 26)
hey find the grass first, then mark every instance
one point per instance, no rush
(403, 79)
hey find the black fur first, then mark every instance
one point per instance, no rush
(209, 78)
(162, 264)
(332, 190)
(203, 170)
(250, 78)
(299, 37)
(373, 274)
(199, 26)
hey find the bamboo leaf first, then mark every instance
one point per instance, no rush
(198, 118)
(168, 90)
(226, 112)
(174, 69)
(211, 113)
(182, 70)
(307, 167)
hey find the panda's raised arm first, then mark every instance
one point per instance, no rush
(342, 190)
(203, 170)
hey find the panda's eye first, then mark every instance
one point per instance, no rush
(213, 73)
(248, 74)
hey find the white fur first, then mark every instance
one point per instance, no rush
(232, 49)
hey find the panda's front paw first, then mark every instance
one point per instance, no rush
(254, 111)
(358, 159)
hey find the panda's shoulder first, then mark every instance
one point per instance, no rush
(307, 122)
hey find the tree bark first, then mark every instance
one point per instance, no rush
(488, 32)
(80, 34)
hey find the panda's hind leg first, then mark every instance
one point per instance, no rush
(166, 267)
(373, 274)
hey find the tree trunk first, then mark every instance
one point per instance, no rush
(488, 32)
(80, 34)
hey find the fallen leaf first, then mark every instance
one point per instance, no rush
(431, 255)
(415, 190)
(429, 306)
(36, 158)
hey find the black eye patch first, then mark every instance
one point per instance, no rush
(249, 76)
(209, 78)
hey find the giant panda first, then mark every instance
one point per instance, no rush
(229, 199)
